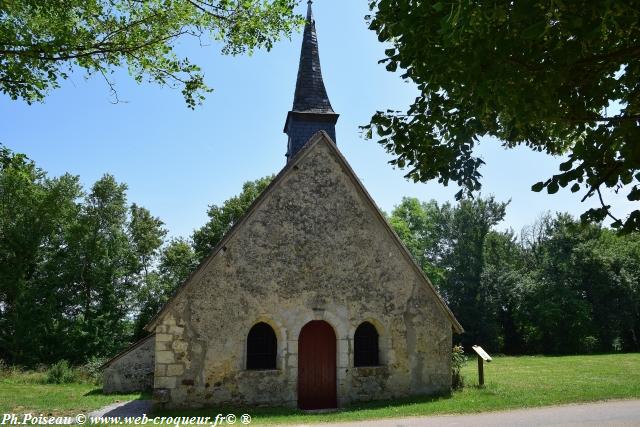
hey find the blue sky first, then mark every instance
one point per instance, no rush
(177, 161)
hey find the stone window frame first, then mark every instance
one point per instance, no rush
(385, 352)
(281, 343)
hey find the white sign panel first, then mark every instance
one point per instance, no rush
(483, 354)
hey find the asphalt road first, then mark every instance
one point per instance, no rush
(619, 413)
(615, 413)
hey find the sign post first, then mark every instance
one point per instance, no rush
(482, 357)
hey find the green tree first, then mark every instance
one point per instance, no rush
(581, 293)
(35, 211)
(558, 77)
(101, 269)
(222, 218)
(449, 243)
(43, 42)
(177, 261)
(556, 314)
(419, 226)
(146, 234)
(500, 284)
(466, 227)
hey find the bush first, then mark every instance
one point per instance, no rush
(589, 344)
(10, 372)
(60, 373)
(617, 344)
(458, 359)
(90, 372)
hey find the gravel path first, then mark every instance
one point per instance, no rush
(131, 408)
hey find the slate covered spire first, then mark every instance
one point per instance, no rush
(311, 110)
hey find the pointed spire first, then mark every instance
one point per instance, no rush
(311, 95)
(311, 110)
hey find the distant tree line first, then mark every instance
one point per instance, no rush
(558, 287)
(82, 272)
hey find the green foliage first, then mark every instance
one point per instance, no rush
(81, 274)
(43, 42)
(419, 225)
(60, 373)
(222, 218)
(72, 265)
(35, 213)
(90, 372)
(558, 77)
(559, 287)
(458, 359)
(177, 260)
(448, 242)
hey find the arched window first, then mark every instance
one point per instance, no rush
(262, 347)
(365, 343)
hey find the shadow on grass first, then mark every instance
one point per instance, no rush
(283, 412)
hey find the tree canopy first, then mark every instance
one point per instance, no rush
(42, 42)
(83, 271)
(222, 218)
(559, 77)
(559, 287)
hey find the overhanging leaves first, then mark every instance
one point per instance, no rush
(540, 74)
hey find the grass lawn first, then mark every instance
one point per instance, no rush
(511, 382)
(22, 393)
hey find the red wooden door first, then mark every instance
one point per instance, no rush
(317, 366)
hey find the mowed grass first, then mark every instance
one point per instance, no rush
(27, 393)
(511, 382)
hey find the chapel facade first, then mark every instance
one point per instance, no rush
(310, 300)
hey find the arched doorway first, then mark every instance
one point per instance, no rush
(317, 366)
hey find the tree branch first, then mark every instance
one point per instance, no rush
(606, 207)
(96, 49)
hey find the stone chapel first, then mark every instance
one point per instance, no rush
(310, 300)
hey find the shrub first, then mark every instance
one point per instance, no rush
(10, 372)
(90, 372)
(617, 344)
(458, 359)
(60, 373)
(590, 343)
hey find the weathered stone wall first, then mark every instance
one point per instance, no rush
(312, 249)
(132, 370)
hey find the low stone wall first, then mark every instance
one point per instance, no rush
(131, 370)
(369, 383)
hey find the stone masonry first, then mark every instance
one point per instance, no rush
(131, 370)
(313, 247)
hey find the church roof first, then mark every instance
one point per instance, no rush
(311, 95)
(319, 138)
